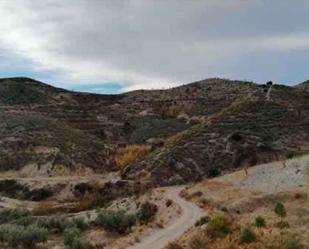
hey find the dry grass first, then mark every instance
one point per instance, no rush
(131, 153)
(174, 139)
(266, 238)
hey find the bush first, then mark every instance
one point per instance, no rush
(56, 223)
(269, 83)
(78, 223)
(260, 221)
(8, 214)
(73, 239)
(146, 212)
(290, 155)
(198, 241)
(118, 222)
(203, 220)
(214, 172)
(173, 245)
(280, 209)
(80, 243)
(291, 245)
(53, 223)
(247, 236)
(70, 234)
(283, 224)
(218, 226)
(168, 202)
(25, 237)
(131, 153)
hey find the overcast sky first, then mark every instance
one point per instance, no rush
(118, 45)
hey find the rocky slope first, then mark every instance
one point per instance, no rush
(252, 129)
(196, 130)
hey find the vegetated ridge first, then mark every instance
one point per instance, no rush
(163, 137)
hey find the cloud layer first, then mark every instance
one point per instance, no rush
(155, 44)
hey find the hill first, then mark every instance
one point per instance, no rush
(189, 132)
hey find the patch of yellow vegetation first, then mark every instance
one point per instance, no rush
(131, 153)
(174, 139)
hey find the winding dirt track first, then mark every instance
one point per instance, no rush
(190, 214)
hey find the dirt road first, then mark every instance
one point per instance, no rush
(190, 214)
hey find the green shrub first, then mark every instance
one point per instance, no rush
(79, 223)
(25, 237)
(118, 222)
(26, 221)
(291, 245)
(280, 209)
(56, 223)
(247, 236)
(203, 220)
(70, 234)
(218, 226)
(73, 239)
(8, 214)
(290, 155)
(146, 212)
(260, 221)
(32, 235)
(53, 223)
(80, 243)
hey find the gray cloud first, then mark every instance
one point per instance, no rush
(150, 44)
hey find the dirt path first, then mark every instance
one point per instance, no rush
(268, 93)
(190, 214)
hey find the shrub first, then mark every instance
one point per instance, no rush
(198, 241)
(146, 212)
(131, 153)
(73, 239)
(70, 234)
(269, 83)
(218, 226)
(119, 222)
(260, 221)
(25, 237)
(280, 209)
(8, 214)
(80, 243)
(291, 245)
(247, 236)
(168, 202)
(203, 220)
(290, 155)
(32, 235)
(173, 245)
(282, 224)
(214, 172)
(79, 223)
(55, 222)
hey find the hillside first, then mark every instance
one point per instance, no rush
(247, 200)
(89, 168)
(192, 131)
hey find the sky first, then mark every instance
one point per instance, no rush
(112, 46)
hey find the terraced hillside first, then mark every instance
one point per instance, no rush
(189, 132)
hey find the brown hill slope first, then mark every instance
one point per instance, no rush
(224, 124)
(251, 130)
